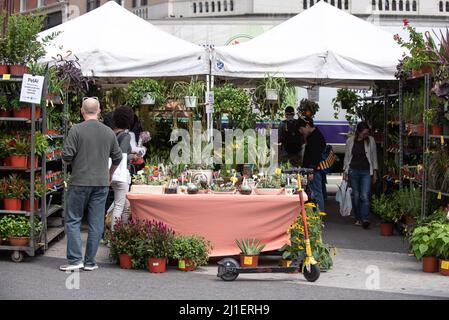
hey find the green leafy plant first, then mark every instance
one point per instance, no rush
(193, 247)
(3, 41)
(346, 99)
(41, 143)
(140, 88)
(442, 241)
(270, 182)
(194, 88)
(15, 104)
(39, 189)
(250, 246)
(386, 207)
(23, 45)
(423, 240)
(409, 201)
(4, 105)
(19, 226)
(19, 146)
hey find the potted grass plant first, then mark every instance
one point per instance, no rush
(145, 92)
(250, 250)
(191, 251)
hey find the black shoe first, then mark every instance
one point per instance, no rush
(365, 224)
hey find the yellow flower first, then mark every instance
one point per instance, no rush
(278, 171)
(323, 214)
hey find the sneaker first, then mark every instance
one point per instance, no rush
(72, 267)
(91, 267)
(365, 224)
(358, 223)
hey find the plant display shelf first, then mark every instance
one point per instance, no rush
(47, 211)
(438, 192)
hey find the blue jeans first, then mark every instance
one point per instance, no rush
(316, 189)
(78, 200)
(360, 182)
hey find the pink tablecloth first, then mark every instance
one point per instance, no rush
(222, 218)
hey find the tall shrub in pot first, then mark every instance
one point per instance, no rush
(191, 251)
(386, 207)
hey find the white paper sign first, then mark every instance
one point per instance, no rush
(32, 89)
(314, 94)
(210, 98)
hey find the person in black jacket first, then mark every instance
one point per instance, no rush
(290, 139)
(315, 146)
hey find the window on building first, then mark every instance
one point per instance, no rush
(401, 5)
(134, 4)
(219, 6)
(311, 3)
(231, 5)
(194, 7)
(201, 7)
(333, 2)
(407, 5)
(143, 2)
(346, 4)
(340, 5)
(23, 5)
(387, 5)
(304, 4)
(40, 3)
(225, 5)
(441, 6)
(394, 5)
(447, 6)
(207, 6)
(373, 4)
(380, 5)
(213, 6)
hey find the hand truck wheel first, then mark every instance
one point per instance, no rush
(313, 274)
(17, 256)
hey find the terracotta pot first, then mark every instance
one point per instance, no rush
(420, 129)
(430, 264)
(4, 69)
(18, 70)
(25, 112)
(436, 130)
(386, 229)
(186, 264)
(424, 69)
(36, 162)
(19, 241)
(444, 267)
(125, 261)
(286, 263)
(12, 204)
(4, 114)
(27, 204)
(157, 265)
(17, 161)
(249, 261)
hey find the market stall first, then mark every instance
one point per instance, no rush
(221, 218)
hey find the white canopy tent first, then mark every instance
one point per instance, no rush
(321, 46)
(114, 44)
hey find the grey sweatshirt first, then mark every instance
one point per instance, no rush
(88, 147)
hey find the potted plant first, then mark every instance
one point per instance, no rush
(39, 190)
(18, 228)
(15, 193)
(158, 245)
(409, 203)
(386, 208)
(274, 87)
(191, 251)
(420, 58)
(126, 243)
(4, 69)
(269, 185)
(346, 99)
(189, 91)
(308, 108)
(145, 92)
(250, 250)
(442, 244)
(18, 150)
(4, 107)
(423, 242)
(41, 145)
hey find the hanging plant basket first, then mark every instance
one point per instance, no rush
(148, 100)
(191, 101)
(271, 94)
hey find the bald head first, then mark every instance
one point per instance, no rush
(90, 108)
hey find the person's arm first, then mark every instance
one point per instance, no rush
(70, 147)
(374, 159)
(346, 160)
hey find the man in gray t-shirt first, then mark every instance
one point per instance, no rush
(87, 148)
